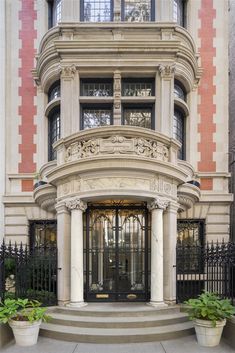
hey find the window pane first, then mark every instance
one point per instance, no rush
(96, 117)
(178, 131)
(139, 89)
(179, 92)
(54, 93)
(97, 11)
(54, 134)
(138, 117)
(97, 89)
(56, 12)
(137, 11)
(44, 234)
(178, 12)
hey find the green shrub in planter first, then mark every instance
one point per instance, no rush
(208, 306)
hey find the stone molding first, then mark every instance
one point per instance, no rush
(158, 203)
(117, 145)
(76, 204)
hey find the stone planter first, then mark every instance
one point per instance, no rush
(207, 335)
(25, 332)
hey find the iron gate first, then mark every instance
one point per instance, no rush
(209, 267)
(28, 272)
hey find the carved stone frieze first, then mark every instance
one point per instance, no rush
(117, 145)
(159, 202)
(116, 183)
(76, 204)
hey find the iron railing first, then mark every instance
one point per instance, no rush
(27, 272)
(209, 267)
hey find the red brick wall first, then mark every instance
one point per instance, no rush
(27, 90)
(207, 90)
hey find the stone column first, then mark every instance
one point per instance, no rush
(157, 207)
(64, 249)
(77, 208)
(169, 252)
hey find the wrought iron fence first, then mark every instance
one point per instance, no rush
(27, 272)
(208, 267)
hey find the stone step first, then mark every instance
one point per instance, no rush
(120, 310)
(117, 321)
(116, 335)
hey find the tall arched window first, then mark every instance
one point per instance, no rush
(179, 131)
(54, 12)
(179, 12)
(53, 132)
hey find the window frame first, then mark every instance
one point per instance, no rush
(184, 12)
(82, 13)
(181, 151)
(44, 223)
(51, 22)
(180, 85)
(94, 80)
(54, 85)
(138, 106)
(52, 115)
(98, 105)
(152, 12)
(138, 80)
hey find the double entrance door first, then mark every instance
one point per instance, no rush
(116, 253)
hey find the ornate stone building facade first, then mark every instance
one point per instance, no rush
(121, 109)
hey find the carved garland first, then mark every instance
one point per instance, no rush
(117, 145)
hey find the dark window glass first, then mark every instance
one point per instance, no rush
(95, 117)
(178, 12)
(54, 91)
(97, 89)
(53, 133)
(179, 92)
(178, 131)
(138, 117)
(137, 11)
(96, 10)
(137, 88)
(42, 233)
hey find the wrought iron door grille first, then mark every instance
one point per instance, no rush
(116, 253)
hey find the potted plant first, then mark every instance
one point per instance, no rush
(38, 181)
(24, 316)
(209, 313)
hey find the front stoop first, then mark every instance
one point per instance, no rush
(117, 324)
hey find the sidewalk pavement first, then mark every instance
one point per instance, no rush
(180, 345)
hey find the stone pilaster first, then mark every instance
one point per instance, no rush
(157, 207)
(117, 98)
(167, 98)
(68, 94)
(77, 207)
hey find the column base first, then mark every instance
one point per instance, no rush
(76, 304)
(158, 305)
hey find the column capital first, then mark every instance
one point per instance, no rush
(158, 203)
(76, 204)
(167, 71)
(67, 71)
(61, 207)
